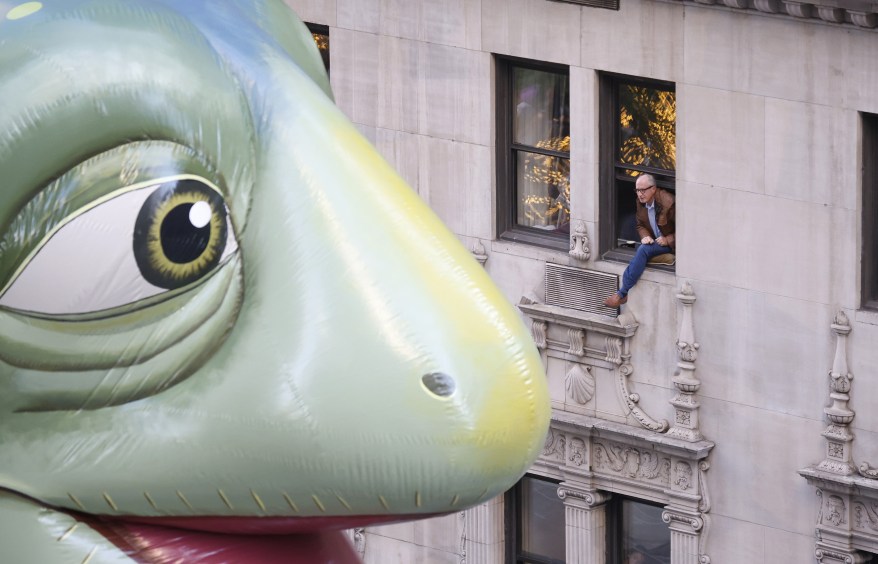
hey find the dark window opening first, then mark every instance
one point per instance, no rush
(321, 38)
(636, 533)
(535, 522)
(870, 212)
(637, 135)
(533, 152)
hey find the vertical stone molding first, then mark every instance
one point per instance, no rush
(579, 242)
(839, 439)
(685, 535)
(586, 522)
(482, 533)
(685, 402)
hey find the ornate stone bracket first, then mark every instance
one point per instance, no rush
(847, 515)
(579, 242)
(480, 253)
(850, 13)
(685, 403)
(617, 333)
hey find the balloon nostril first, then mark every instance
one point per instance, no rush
(439, 384)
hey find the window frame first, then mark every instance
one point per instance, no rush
(869, 229)
(512, 524)
(321, 29)
(614, 525)
(609, 138)
(506, 222)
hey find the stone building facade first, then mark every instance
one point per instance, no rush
(720, 402)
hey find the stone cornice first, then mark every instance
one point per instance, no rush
(861, 14)
(623, 326)
(628, 434)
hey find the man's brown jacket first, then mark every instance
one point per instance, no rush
(664, 218)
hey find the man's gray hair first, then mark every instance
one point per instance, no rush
(648, 177)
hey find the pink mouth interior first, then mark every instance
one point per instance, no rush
(216, 540)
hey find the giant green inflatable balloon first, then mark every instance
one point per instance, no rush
(227, 328)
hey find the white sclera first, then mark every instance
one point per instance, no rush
(88, 265)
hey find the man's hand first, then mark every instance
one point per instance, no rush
(662, 241)
(647, 240)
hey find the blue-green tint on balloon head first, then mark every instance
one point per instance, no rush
(339, 355)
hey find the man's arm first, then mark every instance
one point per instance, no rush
(642, 226)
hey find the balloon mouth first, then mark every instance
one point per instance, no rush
(230, 525)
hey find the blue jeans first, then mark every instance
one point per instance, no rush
(638, 265)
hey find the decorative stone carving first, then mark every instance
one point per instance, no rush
(580, 384)
(631, 399)
(579, 242)
(839, 459)
(554, 446)
(834, 511)
(767, 6)
(687, 383)
(631, 462)
(862, 19)
(682, 475)
(740, 4)
(360, 541)
(614, 350)
(577, 452)
(798, 9)
(480, 253)
(577, 341)
(538, 331)
(830, 14)
(867, 471)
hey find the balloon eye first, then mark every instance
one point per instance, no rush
(180, 233)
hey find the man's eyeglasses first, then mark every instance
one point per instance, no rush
(642, 190)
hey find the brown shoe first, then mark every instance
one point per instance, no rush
(615, 300)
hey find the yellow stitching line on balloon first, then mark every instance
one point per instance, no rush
(318, 503)
(290, 502)
(343, 502)
(225, 499)
(110, 501)
(484, 493)
(95, 203)
(184, 500)
(68, 532)
(383, 502)
(258, 500)
(90, 555)
(418, 499)
(150, 500)
(76, 501)
(455, 500)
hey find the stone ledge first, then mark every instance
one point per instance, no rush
(623, 326)
(627, 434)
(861, 14)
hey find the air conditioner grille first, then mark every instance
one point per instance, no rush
(608, 4)
(580, 289)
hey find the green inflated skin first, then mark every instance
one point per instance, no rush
(289, 380)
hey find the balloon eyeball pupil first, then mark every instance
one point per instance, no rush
(184, 240)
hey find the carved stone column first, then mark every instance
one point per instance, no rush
(586, 524)
(687, 383)
(685, 535)
(839, 459)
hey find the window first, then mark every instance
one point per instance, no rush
(637, 135)
(533, 152)
(636, 533)
(321, 38)
(535, 523)
(870, 212)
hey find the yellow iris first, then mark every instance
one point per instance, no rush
(171, 248)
